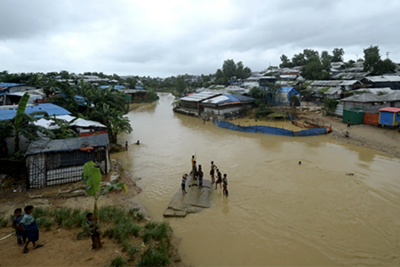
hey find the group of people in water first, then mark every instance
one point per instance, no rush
(198, 174)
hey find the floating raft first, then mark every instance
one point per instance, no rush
(194, 201)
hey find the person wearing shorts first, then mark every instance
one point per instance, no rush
(212, 172)
(200, 175)
(183, 184)
(225, 185)
(219, 180)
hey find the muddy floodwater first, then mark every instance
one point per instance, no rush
(277, 213)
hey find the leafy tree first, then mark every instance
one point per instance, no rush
(298, 59)
(114, 120)
(326, 60)
(314, 70)
(337, 55)
(181, 85)
(286, 63)
(371, 58)
(231, 69)
(374, 63)
(310, 54)
(385, 66)
(351, 63)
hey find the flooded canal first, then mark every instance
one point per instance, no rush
(277, 213)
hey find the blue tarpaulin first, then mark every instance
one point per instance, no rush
(51, 109)
(270, 129)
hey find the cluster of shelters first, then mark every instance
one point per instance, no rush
(59, 161)
(367, 108)
(215, 103)
(11, 93)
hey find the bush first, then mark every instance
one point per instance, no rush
(118, 261)
(70, 218)
(83, 233)
(44, 223)
(41, 212)
(123, 230)
(157, 231)
(156, 256)
(3, 222)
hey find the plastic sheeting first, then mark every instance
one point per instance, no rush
(270, 130)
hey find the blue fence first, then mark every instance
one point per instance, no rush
(270, 129)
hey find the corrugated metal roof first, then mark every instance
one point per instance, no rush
(375, 91)
(10, 84)
(333, 90)
(51, 109)
(390, 78)
(330, 83)
(199, 96)
(390, 109)
(228, 99)
(71, 144)
(362, 98)
(49, 124)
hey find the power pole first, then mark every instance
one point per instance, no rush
(387, 54)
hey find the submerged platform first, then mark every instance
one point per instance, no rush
(194, 201)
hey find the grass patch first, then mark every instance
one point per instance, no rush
(123, 230)
(3, 222)
(156, 256)
(45, 223)
(70, 218)
(83, 233)
(156, 231)
(118, 261)
(41, 212)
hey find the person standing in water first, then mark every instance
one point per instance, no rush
(200, 175)
(219, 180)
(183, 184)
(225, 185)
(194, 171)
(193, 160)
(126, 146)
(212, 172)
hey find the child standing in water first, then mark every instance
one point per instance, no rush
(200, 175)
(183, 184)
(225, 185)
(212, 172)
(21, 237)
(219, 180)
(31, 229)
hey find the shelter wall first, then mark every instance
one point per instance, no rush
(368, 107)
(66, 167)
(222, 111)
(189, 104)
(386, 118)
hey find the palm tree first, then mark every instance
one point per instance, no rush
(114, 120)
(22, 124)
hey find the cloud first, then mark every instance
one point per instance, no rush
(163, 38)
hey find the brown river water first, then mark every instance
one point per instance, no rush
(277, 213)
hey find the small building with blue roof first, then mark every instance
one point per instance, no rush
(51, 109)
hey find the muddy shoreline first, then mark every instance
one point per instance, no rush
(69, 196)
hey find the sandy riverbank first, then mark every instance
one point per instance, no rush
(61, 246)
(383, 140)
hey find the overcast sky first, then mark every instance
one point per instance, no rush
(168, 37)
